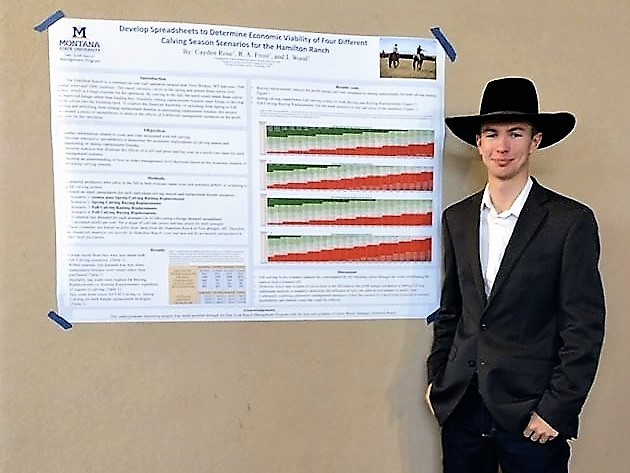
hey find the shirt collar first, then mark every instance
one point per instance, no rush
(517, 205)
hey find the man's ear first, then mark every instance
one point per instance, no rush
(478, 140)
(537, 138)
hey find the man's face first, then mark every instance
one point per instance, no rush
(505, 148)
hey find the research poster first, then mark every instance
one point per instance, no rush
(206, 172)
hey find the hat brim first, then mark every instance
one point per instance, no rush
(553, 126)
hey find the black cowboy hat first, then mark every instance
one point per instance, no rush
(512, 99)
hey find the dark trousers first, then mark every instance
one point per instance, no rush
(473, 443)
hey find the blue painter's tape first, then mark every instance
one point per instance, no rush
(44, 25)
(63, 323)
(448, 47)
(432, 317)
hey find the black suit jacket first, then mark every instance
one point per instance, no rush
(535, 341)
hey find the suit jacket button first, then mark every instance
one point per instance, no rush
(472, 363)
(484, 327)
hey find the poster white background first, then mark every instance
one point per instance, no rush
(225, 173)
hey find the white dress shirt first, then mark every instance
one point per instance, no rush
(495, 230)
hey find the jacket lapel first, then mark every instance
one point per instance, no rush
(473, 246)
(531, 217)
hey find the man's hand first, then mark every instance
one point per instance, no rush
(538, 430)
(427, 399)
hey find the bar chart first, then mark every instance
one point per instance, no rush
(351, 211)
(347, 141)
(341, 248)
(348, 177)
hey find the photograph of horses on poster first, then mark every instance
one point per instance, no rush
(407, 58)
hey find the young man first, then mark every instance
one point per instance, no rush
(521, 320)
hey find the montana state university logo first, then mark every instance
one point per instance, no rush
(79, 41)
